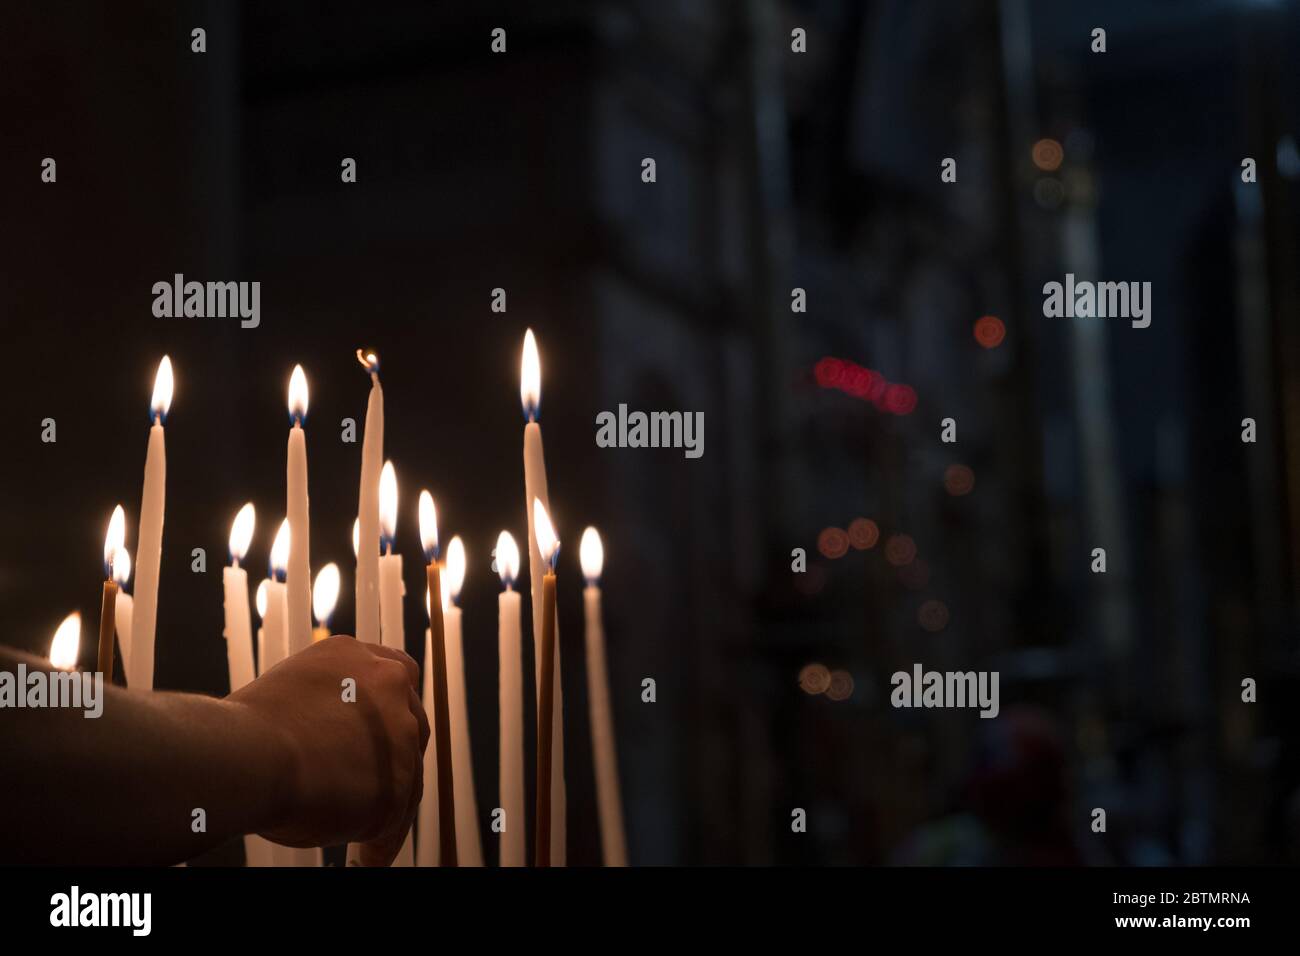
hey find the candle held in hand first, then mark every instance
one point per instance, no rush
(108, 606)
(372, 460)
(234, 579)
(149, 538)
(298, 580)
(324, 595)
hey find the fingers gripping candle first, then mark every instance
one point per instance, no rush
(149, 538)
(530, 392)
(298, 583)
(372, 461)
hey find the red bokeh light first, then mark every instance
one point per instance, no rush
(833, 542)
(900, 550)
(863, 533)
(958, 480)
(933, 616)
(989, 331)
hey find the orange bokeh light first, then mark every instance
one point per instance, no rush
(989, 331)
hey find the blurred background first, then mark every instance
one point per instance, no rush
(776, 170)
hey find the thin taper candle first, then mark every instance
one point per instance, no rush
(441, 716)
(548, 546)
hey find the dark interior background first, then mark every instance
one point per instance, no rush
(775, 170)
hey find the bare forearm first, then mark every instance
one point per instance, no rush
(127, 787)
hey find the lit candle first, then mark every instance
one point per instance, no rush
(372, 459)
(275, 621)
(609, 802)
(392, 629)
(549, 547)
(275, 625)
(259, 601)
(511, 704)
(66, 644)
(298, 582)
(124, 607)
(234, 579)
(437, 844)
(149, 538)
(324, 595)
(530, 393)
(108, 604)
(469, 843)
(391, 589)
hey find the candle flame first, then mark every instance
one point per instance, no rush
(356, 537)
(298, 395)
(241, 533)
(547, 543)
(121, 566)
(67, 643)
(114, 539)
(259, 600)
(163, 385)
(455, 574)
(388, 504)
(428, 527)
(280, 552)
(591, 554)
(530, 377)
(507, 558)
(325, 593)
(369, 360)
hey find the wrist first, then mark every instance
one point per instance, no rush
(274, 767)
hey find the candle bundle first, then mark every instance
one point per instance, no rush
(448, 823)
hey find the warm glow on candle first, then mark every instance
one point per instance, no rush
(66, 643)
(259, 599)
(388, 504)
(428, 527)
(297, 395)
(507, 558)
(121, 567)
(591, 554)
(325, 593)
(280, 552)
(548, 545)
(530, 377)
(163, 385)
(455, 576)
(114, 539)
(241, 533)
(356, 537)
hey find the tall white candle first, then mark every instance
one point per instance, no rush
(530, 393)
(469, 842)
(391, 591)
(510, 688)
(372, 460)
(124, 610)
(299, 575)
(276, 626)
(609, 801)
(427, 850)
(259, 851)
(149, 539)
(239, 633)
